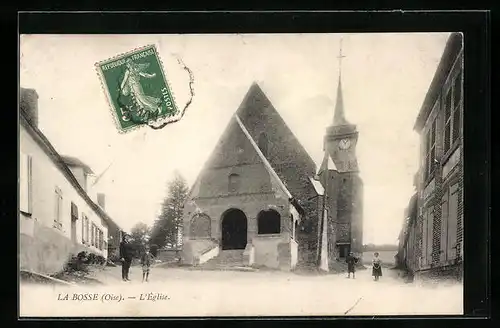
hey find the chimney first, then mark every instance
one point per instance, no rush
(101, 200)
(28, 103)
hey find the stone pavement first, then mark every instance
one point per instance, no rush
(181, 292)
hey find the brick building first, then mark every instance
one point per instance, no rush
(260, 201)
(406, 257)
(438, 230)
(59, 215)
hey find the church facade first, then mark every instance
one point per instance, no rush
(260, 200)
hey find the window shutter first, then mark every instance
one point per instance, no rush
(83, 229)
(444, 228)
(452, 223)
(24, 183)
(430, 223)
(74, 211)
(424, 239)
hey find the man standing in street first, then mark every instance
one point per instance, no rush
(125, 257)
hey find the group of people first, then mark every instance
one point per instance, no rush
(147, 259)
(126, 255)
(351, 261)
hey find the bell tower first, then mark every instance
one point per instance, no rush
(340, 142)
(341, 136)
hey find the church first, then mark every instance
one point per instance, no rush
(261, 201)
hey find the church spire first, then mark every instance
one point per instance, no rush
(339, 116)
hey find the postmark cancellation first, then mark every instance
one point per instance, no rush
(137, 90)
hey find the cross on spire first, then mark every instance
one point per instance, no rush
(340, 56)
(339, 116)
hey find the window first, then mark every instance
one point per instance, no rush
(92, 235)
(452, 112)
(268, 222)
(263, 144)
(26, 184)
(430, 150)
(101, 240)
(200, 226)
(58, 208)
(457, 104)
(234, 182)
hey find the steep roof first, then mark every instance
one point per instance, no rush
(267, 165)
(339, 115)
(450, 53)
(73, 161)
(287, 157)
(47, 147)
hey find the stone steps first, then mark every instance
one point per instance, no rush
(226, 258)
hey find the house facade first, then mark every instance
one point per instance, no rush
(406, 257)
(57, 215)
(436, 236)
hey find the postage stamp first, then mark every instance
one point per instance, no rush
(137, 89)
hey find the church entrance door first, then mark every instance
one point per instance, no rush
(234, 230)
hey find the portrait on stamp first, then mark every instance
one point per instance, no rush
(136, 87)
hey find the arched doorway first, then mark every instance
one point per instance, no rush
(234, 230)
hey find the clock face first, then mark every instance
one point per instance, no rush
(345, 144)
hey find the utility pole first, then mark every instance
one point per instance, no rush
(321, 223)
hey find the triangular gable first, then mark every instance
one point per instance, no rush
(263, 158)
(256, 108)
(326, 163)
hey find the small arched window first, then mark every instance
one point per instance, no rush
(234, 182)
(268, 222)
(200, 226)
(263, 143)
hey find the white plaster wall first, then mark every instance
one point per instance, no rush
(193, 249)
(294, 248)
(266, 250)
(209, 255)
(45, 177)
(324, 246)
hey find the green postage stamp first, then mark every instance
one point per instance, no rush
(137, 89)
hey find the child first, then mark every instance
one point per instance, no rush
(351, 263)
(146, 261)
(377, 268)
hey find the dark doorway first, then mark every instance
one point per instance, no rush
(344, 250)
(234, 230)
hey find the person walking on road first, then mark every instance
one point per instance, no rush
(146, 260)
(377, 267)
(351, 261)
(125, 257)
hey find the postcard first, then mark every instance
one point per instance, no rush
(209, 175)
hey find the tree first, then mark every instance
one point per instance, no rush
(140, 235)
(167, 229)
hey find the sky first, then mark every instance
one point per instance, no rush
(385, 78)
